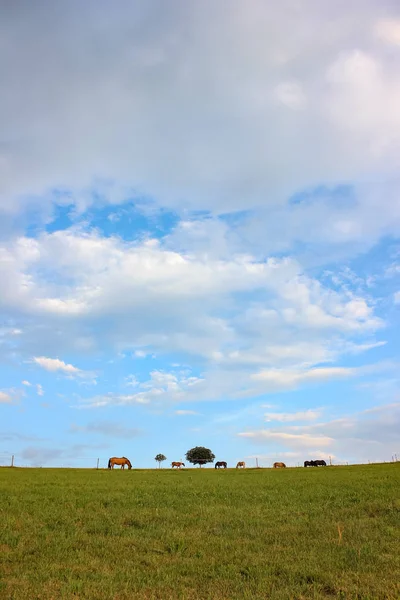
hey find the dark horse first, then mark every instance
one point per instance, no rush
(119, 461)
(314, 463)
(220, 464)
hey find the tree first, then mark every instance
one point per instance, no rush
(160, 458)
(200, 456)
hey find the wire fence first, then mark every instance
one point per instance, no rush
(84, 462)
(268, 462)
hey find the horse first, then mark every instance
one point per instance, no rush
(119, 461)
(220, 464)
(241, 465)
(279, 465)
(178, 465)
(315, 463)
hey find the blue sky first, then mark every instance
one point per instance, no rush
(200, 232)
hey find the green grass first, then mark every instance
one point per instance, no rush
(200, 533)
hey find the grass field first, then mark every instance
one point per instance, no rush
(297, 533)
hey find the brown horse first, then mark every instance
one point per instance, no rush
(119, 461)
(241, 465)
(220, 464)
(178, 465)
(279, 465)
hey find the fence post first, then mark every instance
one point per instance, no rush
(12, 460)
(257, 462)
(97, 463)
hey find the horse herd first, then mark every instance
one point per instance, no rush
(218, 465)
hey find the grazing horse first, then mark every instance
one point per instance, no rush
(241, 465)
(220, 464)
(119, 461)
(319, 463)
(309, 463)
(279, 465)
(178, 465)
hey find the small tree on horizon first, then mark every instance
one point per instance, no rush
(200, 456)
(160, 458)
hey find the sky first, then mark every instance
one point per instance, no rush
(199, 231)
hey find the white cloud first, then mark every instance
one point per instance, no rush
(39, 390)
(144, 295)
(285, 379)
(131, 381)
(305, 415)
(397, 298)
(161, 388)
(5, 398)
(113, 399)
(388, 30)
(223, 114)
(295, 440)
(169, 300)
(392, 270)
(270, 380)
(372, 434)
(55, 364)
(26, 383)
(291, 95)
(186, 412)
(10, 396)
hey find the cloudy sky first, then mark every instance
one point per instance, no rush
(199, 230)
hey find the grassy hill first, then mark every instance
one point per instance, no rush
(279, 534)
